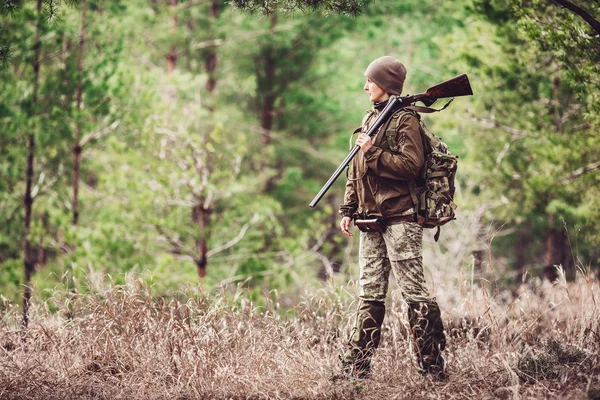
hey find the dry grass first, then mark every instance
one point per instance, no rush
(123, 343)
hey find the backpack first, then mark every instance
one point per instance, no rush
(433, 192)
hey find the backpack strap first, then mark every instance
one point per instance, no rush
(390, 132)
(395, 119)
(417, 195)
(367, 118)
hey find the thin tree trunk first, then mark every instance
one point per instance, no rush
(172, 55)
(202, 218)
(211, 60)
(268, 105)
(172, 59)
(335, 252)
(268, 109)
(550, 254)
(200, 215)
(558, 118)
(521, 255)
(27, 198)
(555, 250)
(65, 103)
(77, 149)
(480, 254)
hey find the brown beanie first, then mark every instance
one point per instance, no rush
(388, 73)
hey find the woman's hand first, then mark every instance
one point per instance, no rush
(345, 225)
(364, 141)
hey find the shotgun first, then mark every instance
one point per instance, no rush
(455, 87)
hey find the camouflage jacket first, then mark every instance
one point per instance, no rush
(378, 180)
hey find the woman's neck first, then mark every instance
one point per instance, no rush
(379, 105)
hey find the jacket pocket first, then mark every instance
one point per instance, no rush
(393, 144)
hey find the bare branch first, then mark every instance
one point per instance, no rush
(314, 250)
(190, 4)
(183, 203)
(164, 131)
(493, 123)
(582, 13)
(177, 247)
(101, 132)
(580, 171)
(246, 255)
(583, 127)
(207, 43)
(222, 42)
(235, 240)
(43, 187)
(198, 161)
(502, 154)
(326, 263)
(326, 235)
(545, 62)
(246, 278)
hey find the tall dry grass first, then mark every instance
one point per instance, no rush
(124, 343)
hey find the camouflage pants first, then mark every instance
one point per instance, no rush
(398, 249)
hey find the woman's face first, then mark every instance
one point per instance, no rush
(376, 93)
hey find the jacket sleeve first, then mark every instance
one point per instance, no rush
(350, 201)
(406, 164)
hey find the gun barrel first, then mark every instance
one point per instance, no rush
(334, 176)
(383, 116)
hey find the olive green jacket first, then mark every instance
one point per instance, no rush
(378, 180)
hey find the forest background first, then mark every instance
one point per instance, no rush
(175, 145)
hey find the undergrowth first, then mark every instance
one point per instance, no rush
(121, 342)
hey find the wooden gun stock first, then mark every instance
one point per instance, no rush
(455, 87)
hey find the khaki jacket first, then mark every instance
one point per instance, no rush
(378, 181)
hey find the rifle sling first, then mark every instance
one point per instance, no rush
(428, 110)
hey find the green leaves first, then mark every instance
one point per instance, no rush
(348, 7)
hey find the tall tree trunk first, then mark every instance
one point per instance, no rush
(557, 251)
(29, 258)
(211, 60)
(335, 253)
(172, 55)
(521, 254)
(66, 51)
(268, 110)
(558, 111)
(202, 217)
(270, 96)
(77, 149)
(550, 257)
(200, 214)
(172, 59)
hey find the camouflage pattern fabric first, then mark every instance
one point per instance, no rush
(399, 248)
(428, 336)
(436, 200)
(364, 339)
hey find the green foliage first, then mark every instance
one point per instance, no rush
(353, 7)
(535, 122)
(163, 146)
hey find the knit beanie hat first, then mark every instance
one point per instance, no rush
(388, 73)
